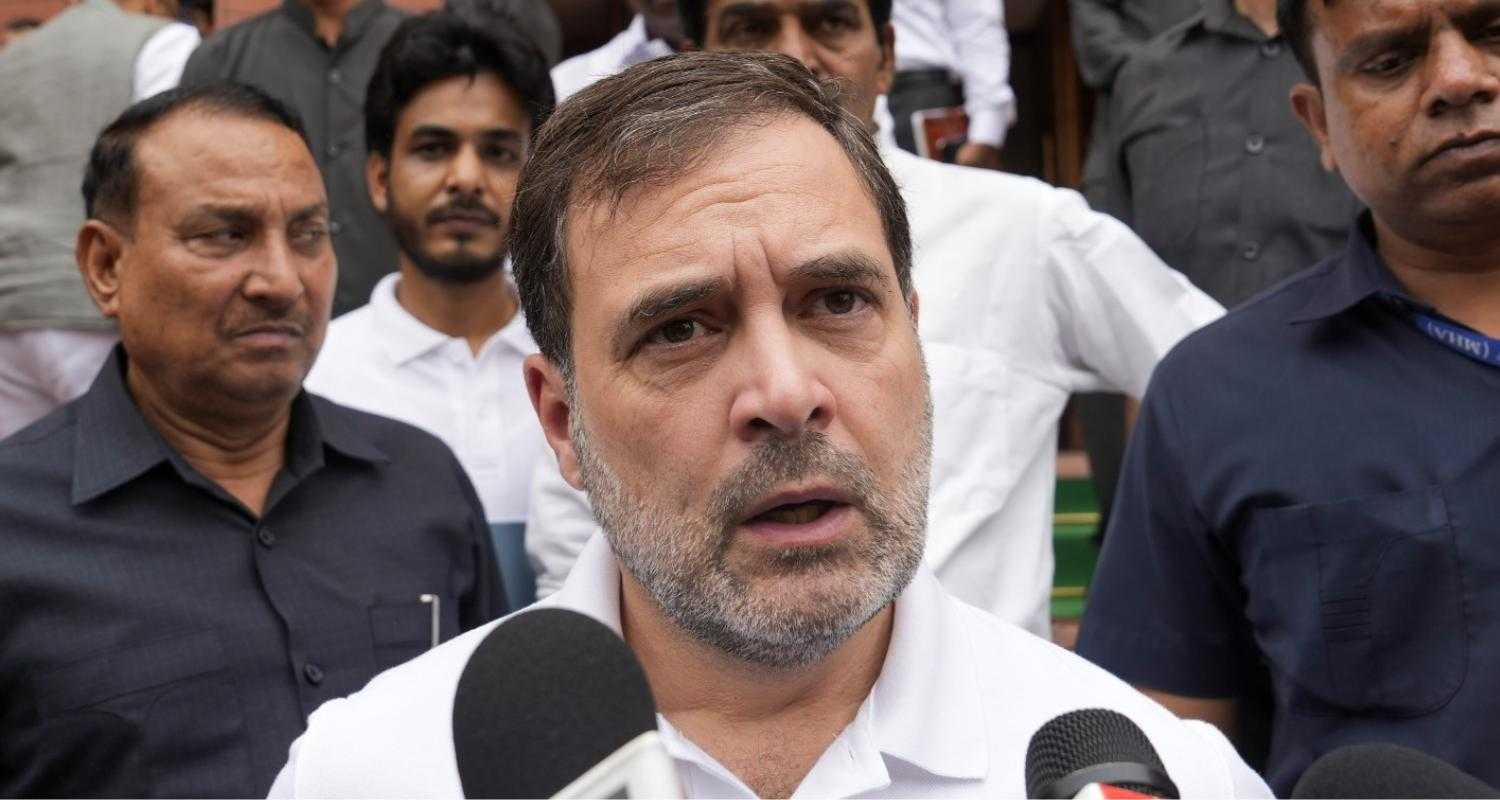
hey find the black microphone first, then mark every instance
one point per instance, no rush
(1090, 747)
(1387, 771)
(553, 703)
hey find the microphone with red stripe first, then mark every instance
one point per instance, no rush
(1094, 753)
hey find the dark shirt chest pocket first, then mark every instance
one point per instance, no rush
(170, 708)
(1358, 604)
(1166, 166)
(403, 631)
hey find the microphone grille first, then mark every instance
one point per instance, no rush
(1085, 738)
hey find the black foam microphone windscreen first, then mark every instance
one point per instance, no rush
(1093, 745)
(546, 696)
(1387, 771)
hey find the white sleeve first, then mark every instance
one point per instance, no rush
(978, 31)
(1233, 771)
(559, 522)
(158, 67)
(1123, 307)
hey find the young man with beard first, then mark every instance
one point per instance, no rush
(449, 118)
(717, 268)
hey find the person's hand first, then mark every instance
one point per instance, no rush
(975, 154)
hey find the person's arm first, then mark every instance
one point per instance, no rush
(1120, 307)
(559, 522)
(159, 64)
(1166, 609)
(1220, 712)
(1102, 39)
(978, 31)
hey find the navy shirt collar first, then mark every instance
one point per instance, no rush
(1348, 279)
(355, 23)
(115, 444)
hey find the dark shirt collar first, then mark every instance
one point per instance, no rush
(1219, 16)
(1350, 278)
(355, 23)
(115, 444)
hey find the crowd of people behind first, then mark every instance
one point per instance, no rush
(350, 345)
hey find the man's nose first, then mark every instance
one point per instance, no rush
(782, 393)
(276, 280)
(465, 171)
(793, 41)
(1460, 74)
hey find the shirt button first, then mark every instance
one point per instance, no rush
(334, 76)
(266, 537)
(1250, 251)
(1255, 143)
(334, 150)
(1270, 49)
(313, 673)
(334, 227)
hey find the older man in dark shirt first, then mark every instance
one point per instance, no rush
(317, 56)
(198, 553)
(1207, 162)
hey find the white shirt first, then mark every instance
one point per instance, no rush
(628, 48)
(1026, 297)
(956, 703)
(966, 38)
(381, 359)
(158, 66)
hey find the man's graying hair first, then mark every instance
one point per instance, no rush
(648, 127)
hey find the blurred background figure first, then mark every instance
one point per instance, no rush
(317, 56)
(533, 18)
(52, 338)
(653, 32)
(1106, 33)
(952, 54)
(1207, 162)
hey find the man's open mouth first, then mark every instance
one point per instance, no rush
(796, 513)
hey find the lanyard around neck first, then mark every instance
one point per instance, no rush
(1450, 334)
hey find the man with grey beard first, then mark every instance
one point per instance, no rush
(716, 266)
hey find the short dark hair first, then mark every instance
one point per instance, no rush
(110, 183)
(694, 14)
(433, 47)
(1292, 19)
(648, 126)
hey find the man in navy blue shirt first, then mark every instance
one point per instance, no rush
(1310, 499)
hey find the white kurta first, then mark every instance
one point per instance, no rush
(381, 359)
(956, 704)
(1026, 297)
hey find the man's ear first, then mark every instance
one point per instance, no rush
(1307, 104)
(549, 396)
(99, 250)
(887, 59)
(377, 178)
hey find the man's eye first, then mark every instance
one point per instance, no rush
(842, 301)
(501, 155)
(310, 236)
(747, 31)
(677, 331)
(223, 237)
(1386, 65)
(836, 24)
(431, 150)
